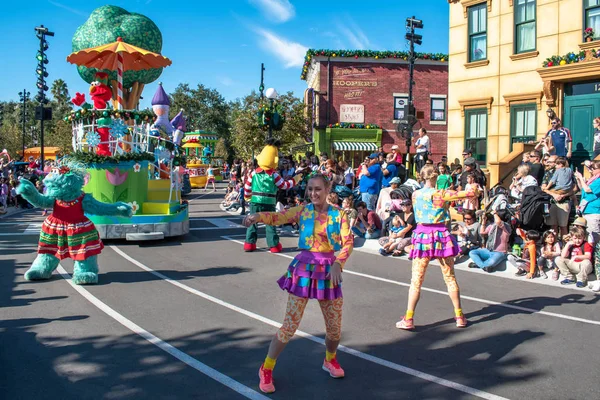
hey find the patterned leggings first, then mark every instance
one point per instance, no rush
(419, 267)
(332, 312)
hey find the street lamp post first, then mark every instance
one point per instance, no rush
(271, 95)
(24, 97)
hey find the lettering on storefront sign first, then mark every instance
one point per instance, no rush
(355, 83)
(352, 113)
(353, 71)
(353, 94)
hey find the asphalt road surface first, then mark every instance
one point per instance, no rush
(192, 317)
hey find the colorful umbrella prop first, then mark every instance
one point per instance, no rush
(119, 56)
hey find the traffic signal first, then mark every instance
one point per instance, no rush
(413, 37)
(42, 74)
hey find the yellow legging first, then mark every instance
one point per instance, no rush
(332, 313)
(419, 267)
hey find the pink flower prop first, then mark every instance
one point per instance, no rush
(117, 178)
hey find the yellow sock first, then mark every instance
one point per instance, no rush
(269, 363)
(409, 314)
(458, 312)
(329, 356)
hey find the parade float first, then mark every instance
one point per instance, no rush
(132, 156)
(199, 149)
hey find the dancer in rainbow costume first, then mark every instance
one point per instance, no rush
(315, 273)
(431, 240)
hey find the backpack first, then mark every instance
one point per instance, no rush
(532, 208)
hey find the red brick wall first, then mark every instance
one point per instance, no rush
(378, 100)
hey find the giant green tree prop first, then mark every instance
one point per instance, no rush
(105, 25)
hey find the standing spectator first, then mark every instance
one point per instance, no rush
(549, 172)
(444, 180)
(562, 179)
(4, 192)
(370, 181)
(384, 200)
(472, 203)
(589, 207)
(368, 224)
(575, 262)
(210, 178)
(536, 169)
(423, 148)
(456, 174)
(389, 170)
(560, 136)
(380, 152)
(348, 174)
(471, 168)
(496, 246)
(596, 124)
(32, 163)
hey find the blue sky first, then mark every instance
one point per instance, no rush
(219, 43)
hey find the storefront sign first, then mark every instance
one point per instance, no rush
(341, 72)
(352, 113)
(354, 83)
(353, 94)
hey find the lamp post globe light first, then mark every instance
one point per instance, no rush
(24, 97)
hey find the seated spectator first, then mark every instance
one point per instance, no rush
(333, 199)
(549, 253)
(497, 236)
(384, 200)
(401, 230)
(467, 234)
(575, 261)
(351, 213)
(521, 180)
(368, 224)
(527, 264)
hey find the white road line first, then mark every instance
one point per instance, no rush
(175, 352)
(21, 234)
(476, 299)
(33, 228)
(223, 223)
(400, 368)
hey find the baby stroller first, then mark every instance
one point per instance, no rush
(535, 206)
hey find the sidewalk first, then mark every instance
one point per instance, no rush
(503, 271)
(15, 211)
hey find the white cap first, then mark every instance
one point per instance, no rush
(395, 147)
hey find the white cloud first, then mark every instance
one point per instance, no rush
(71, 10)
(291, 53)
(353, 34)
(275, 10)
(226, 81)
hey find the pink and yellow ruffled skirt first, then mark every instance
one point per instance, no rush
(433, 241)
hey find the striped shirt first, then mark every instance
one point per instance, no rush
(279, 182)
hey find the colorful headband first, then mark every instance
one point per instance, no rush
(316, 174)
(64, 170)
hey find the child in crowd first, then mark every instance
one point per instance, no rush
(4, 192)
(210, 178)
(550, 251)
(404, 237)
(333, 199)
(351, 213)
(528, 263)
(395, 229)
(472, 203)
(575, 261)
(562, 179)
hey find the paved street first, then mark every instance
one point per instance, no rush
(191, 318)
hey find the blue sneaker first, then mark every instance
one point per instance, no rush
(580, 284)
(383, 252)
(567, 281)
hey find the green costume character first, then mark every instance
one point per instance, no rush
(260, 189)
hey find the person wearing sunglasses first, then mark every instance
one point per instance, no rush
(562, 142)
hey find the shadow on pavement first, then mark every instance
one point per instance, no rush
(107, 278)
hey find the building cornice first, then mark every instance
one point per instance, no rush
(523, 56)
(468, 3)
(522, 98)
(571, 72)
(473, 103)
(475, 64)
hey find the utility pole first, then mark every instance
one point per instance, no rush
(41, 112)
(409, 109)
(24, 97)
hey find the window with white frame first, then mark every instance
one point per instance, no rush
(438, 109)
(399, 103)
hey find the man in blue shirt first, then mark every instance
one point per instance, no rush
(370, 181)
(561, 139)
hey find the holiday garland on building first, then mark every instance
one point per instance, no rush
(351, 125)
(401, 55)
(572, 58)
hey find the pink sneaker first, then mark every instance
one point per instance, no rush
(461, 322)
(333, 367)
(266, 384)
(406, 324)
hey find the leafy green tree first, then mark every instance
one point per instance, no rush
(58, 132)
(248, 138)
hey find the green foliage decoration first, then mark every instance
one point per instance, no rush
(274, 116)
(85, 114)
(401, 55)
(93, 158)
(570, 58)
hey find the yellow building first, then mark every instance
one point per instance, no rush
(502, 87)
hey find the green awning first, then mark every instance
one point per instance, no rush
(354, 146)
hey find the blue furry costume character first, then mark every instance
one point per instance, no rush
(67, 232)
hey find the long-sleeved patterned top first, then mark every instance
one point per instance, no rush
(431, 205)
(278, 180)
(320, 240)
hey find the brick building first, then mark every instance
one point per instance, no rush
(348, 94)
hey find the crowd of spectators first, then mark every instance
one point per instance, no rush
(11, 172)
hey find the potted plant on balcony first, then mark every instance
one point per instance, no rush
(588, 34)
